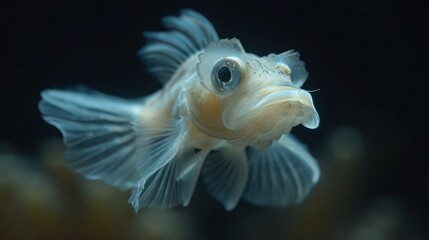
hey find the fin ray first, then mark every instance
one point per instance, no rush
(164, 188)
(157, 146)
(97, 131)
(186, 35)
(282, 175)
(225, 173)
(188, 172)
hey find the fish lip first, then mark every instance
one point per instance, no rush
(295, 95)
(290, 94)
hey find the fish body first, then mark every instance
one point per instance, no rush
(222, 113)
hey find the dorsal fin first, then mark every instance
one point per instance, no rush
(186, 35)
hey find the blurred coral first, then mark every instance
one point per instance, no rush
(44, 200)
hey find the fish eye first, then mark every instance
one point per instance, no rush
(226, 75)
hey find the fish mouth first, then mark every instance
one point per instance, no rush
(272, 104)
(298, 98)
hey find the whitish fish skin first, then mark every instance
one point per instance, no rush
(222, 113)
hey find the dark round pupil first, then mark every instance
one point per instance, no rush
(224, 74)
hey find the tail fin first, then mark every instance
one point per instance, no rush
(98, 131)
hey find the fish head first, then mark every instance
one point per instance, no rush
(248, 99)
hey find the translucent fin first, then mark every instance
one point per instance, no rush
(157, 146)
(225, 173)
(281, 175)
(159, 190)
(98, 132)
(168, 170)
(186, 35)
(298, 72)
(188, 172)
(169, 186)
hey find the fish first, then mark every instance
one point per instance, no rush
(222, 115)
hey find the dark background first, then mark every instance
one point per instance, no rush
(368, 58)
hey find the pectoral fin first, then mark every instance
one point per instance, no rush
(225, 174)
(281, 175)
(171, 185)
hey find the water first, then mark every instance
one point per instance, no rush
(365, 57)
